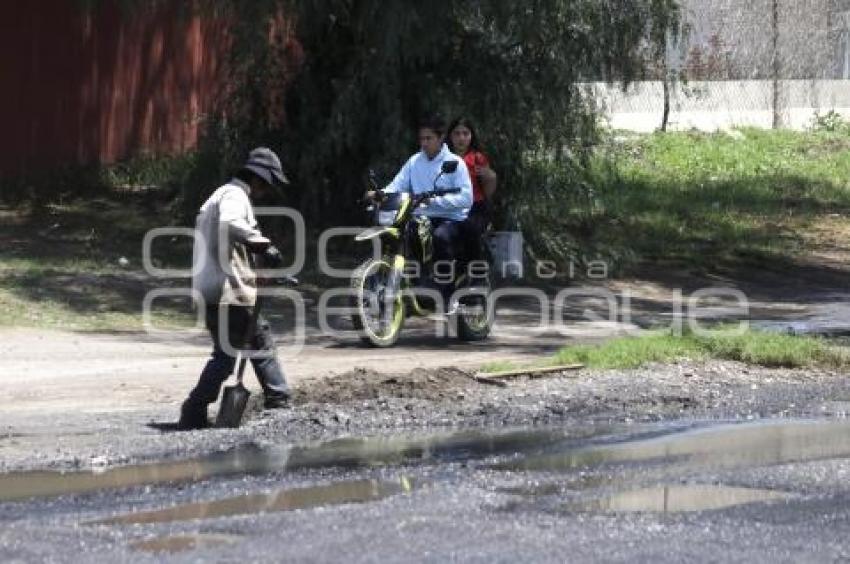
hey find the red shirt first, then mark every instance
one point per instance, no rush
(473, 160)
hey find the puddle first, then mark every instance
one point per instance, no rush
(346, 453)
(826, 327)
(729, 445)
(360, 491)
(182, 543)
(534, 490)
(839, 408)
(579, 481)
(677, 499)
(826, 315)
(544, 449)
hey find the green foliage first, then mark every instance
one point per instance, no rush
(774, 350)
(54, 185)
(691, 198)
(630, 352)
(722, 342)
(371, 68)
(752, 347)
(147, 171)
(831, 121)
(497, 366)
(78, 265)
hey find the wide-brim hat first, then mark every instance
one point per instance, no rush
(263, 162)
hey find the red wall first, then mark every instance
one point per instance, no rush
(80, 86)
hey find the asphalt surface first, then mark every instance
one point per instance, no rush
(380, 461)
(613, 493)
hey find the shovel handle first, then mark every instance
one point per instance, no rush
(250, 331)
(249, 338)
(241, 370)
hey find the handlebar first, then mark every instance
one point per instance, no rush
(419, 198)
(441, 192)
(286, 281)
(422, 199)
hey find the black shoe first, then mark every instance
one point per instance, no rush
(276, 402)
(192, 419)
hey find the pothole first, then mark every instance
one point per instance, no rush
(254, 460)
(717, 446)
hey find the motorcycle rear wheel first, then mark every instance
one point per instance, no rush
(474, 319)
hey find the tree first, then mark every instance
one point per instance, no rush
(664, 31)
(370, 68)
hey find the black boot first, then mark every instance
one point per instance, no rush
(276, 401)
(192, 417)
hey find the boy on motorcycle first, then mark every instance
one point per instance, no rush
(446, 213)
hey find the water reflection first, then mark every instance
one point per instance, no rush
(347, 453)
(677, 499)
(547, 449)
(359, 491)
(717, 446)
(180, 543)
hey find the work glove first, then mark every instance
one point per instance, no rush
(271, 257)
(376, 196)
(258, 244)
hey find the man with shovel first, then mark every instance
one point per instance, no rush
(226, 237)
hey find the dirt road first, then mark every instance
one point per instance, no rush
(450, 468)
(51, 371)
(608, 465)
(62, 391)
(54, 373)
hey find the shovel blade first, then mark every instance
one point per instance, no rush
(232, 407)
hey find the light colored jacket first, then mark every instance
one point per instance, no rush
(417, 176)
(222, 270)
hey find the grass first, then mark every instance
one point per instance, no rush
(751, 198)
(498, 366)
(60, 267)
(751, 347)
(78, 265)
(692, 198)
(57, 314)
(82, 295)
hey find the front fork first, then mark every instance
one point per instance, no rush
(393, 288)
(394, 281)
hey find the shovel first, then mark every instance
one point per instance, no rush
(233, 401)
(235, 398)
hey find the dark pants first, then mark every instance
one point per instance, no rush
(448, 247)
(474, 227)
(221, 365)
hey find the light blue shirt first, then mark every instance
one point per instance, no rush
(417, 176)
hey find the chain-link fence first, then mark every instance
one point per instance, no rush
(766, 63)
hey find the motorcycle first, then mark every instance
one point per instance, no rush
(399, 284)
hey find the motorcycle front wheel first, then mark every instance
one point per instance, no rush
(378, 319)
